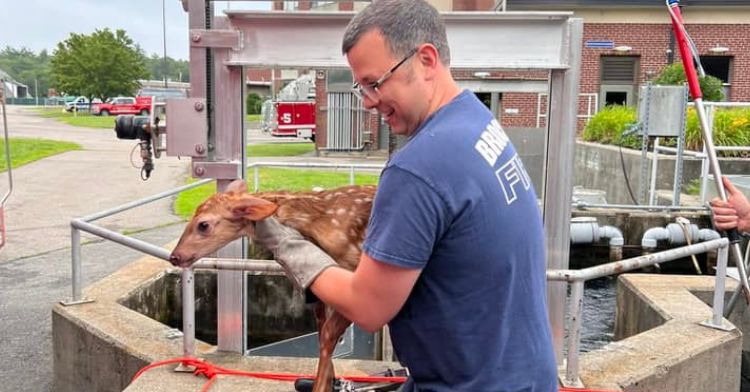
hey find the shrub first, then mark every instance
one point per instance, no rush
(712, 88)
(731, 127)
(254, 103)
(608, 125)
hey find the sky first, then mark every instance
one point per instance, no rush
(41, 24)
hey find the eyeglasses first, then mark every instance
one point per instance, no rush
(371, 90)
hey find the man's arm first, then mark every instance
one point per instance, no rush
(371, 296)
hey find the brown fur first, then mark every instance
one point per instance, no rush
(335, 220)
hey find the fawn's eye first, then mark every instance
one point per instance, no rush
(203, 227)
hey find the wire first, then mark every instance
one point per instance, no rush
(625, 172)
(691, 43)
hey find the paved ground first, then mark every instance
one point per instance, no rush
(35, 262)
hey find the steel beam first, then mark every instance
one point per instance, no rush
(510, 40)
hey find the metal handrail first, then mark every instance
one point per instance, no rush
(84, 223)
(577, 278)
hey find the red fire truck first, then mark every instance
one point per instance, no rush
(289, 118)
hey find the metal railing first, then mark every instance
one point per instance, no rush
(592, 107)
(577, 278)
(84, 223)
(702, 155)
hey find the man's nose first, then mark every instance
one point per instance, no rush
(370, 103)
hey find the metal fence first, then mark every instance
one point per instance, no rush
(349, 123)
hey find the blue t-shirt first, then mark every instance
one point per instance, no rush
(457, 203)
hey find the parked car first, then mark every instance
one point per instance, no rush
(80, 104)
(123, 105)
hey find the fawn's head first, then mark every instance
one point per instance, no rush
(221, 219)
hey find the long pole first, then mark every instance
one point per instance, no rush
(164, 37)
(695, 91)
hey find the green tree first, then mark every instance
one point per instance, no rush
(711, 87)
(177, 70)
(103, 64)
(28, 68)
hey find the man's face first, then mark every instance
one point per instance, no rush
(399, 99)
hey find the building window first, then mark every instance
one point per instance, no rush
(719, 67)
(619, 80)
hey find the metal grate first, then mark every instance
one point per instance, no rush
(349, 123)
(618, 69)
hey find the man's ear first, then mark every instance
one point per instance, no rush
(253, 208)
(237, 186)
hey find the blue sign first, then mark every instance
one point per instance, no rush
(600, 44)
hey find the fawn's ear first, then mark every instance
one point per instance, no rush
(253, 208)
(237, 186)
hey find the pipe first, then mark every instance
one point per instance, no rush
(586, 230)
(674, 234)
(582, 205)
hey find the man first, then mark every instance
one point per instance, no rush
(454, 256)
(733, 213)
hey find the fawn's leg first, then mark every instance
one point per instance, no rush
(333, 327)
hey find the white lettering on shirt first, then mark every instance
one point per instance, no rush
(492, 142)
(510, 175)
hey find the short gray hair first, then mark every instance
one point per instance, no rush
(405, 24)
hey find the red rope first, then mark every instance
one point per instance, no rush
(210, 371)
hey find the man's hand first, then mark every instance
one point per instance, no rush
(300, 258)
(733, 213)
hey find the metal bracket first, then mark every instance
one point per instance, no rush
(227, 39)
(218, 170)
(724, 326)
(71, 302)
(187, 127)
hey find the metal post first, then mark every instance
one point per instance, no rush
(188, 312)
(704, 161)
(717, 320)
(351, 175)
(574, 335)
(188, 319)
(557, 188)
(654, 166)
(75, 248)
(256, 178)
(679, 163)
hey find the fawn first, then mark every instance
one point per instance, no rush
(335, 220)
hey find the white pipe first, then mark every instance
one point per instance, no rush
(585, 230)
(674, 234)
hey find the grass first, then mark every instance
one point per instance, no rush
(81, 120)
(274, 179)
(27, 150)
(279, 149)
(252, 117)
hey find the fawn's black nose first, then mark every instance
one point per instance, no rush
(175, 259)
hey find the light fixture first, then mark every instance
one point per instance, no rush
(622, 48)
(481, 74)
(719, 49)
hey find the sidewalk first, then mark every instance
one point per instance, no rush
(35, 262)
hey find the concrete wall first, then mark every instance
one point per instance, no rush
(666, 349)
(99, 346)
(598, 166)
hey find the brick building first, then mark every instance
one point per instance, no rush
(625, 44)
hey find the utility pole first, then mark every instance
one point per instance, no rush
(164, 38)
